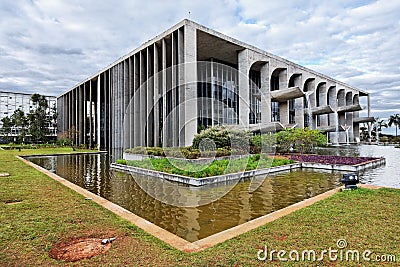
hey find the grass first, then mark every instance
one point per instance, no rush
(48, 213)
(216, 167)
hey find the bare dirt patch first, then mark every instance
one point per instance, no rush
(79, 249)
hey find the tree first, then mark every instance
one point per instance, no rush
(394, 119)
(6, 127)
(378, 127)
(39, 120)
(67, 138)
(20, 122)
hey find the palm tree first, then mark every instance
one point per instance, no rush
(378, 127)
(394, 119)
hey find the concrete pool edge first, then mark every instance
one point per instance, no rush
(246, 174)
(174, 240)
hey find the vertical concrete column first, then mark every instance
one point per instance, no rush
(299, 116)
(113, 106)
(265, 97)
(81, 115)
(150, 97)
(369, 115)
(76, 113)
(99, 108)
(110, 119)
(244, 103)
(126, 108)
(137, 130)
(190, 84)
(85, 110)
(156, 97)
(164, 93)
(181, 86)
(143, 100)
(69, 111)
(131, 102)
(91, 113)
(173, 115)
(284, 112)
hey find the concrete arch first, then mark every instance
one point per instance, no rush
(341, 98)
(257, 80)
(349, 98)
(331, 96)
(309, 86)
(320, 94)
(278, 79)
(356, 99)
(295, 80)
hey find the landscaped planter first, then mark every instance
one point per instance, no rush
(204, 181)
(365, 163)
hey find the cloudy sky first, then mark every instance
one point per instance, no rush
(48, 46)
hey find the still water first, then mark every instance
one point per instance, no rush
(387, 175)
(239, 205)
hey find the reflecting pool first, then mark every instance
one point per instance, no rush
(239, 205)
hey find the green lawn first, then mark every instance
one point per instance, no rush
(47, 213)
(214, 168)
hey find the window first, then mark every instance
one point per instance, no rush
(275, 111)
(292, 112)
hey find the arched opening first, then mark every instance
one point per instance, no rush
(356, 99)
(331, 100)
(320, 100)
(340, 98)
(308, 100)
(331, 96)
(278, 81)
(320, 94)
(295, 80)
(255, 93)
(349, 98)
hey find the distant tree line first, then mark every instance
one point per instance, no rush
(34, 124)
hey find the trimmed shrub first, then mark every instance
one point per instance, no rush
(224, 136)
(121, 161)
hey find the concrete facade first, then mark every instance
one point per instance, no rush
(191, 77)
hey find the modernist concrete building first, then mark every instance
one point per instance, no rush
(190, 77)
(11, 101)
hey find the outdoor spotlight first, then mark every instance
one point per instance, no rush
(350, 181)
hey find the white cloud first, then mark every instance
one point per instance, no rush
(49, 46)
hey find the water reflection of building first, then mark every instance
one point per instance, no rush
(190, 77)
(11, 101)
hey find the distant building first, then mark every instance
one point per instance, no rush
(11, 101)
(191, 77)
